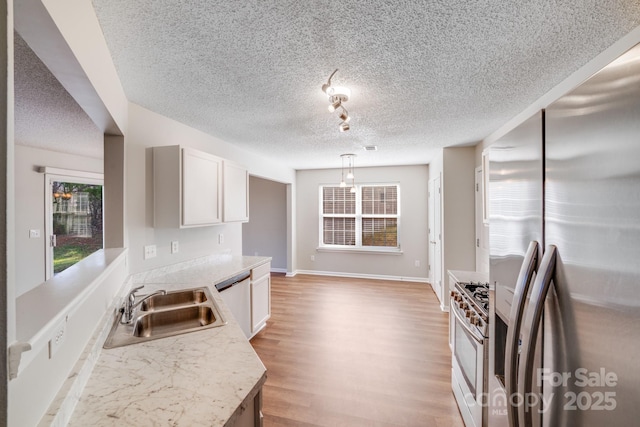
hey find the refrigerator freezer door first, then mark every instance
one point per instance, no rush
(515, 206)
(592, 215)
(515, 215)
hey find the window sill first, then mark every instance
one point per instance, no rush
(381, 251)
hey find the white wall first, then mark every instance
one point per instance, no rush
(147, 129)
(413, 232)
(266, 232)
(30, 205)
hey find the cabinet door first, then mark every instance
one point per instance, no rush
(201, 184)
(260, 303)
(236, 192)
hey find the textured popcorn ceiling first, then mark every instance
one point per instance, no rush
(423, 74)
(46, 116)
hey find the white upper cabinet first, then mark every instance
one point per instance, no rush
(187, 187)
(236, 193)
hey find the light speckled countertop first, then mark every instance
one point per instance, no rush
(202, 378)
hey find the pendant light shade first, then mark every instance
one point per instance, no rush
(350, 160)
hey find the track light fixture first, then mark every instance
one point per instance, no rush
(338, 95)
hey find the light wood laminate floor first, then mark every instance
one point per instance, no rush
(354, 352)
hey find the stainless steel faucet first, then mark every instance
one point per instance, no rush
(130, 303)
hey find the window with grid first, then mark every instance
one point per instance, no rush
(367, 218)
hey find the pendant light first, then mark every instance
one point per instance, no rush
(350, 175)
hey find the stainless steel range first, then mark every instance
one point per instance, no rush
(470, 327)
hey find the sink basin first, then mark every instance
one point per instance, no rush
(171, 321)
(160, 316)
(174, 299)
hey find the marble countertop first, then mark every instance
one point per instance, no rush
(199, 378)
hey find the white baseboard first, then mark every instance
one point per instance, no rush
(360, 276)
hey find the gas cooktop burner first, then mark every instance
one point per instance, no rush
(478, 292)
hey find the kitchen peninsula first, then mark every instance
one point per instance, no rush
(209, 377)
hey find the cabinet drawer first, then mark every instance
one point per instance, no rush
(261, 270)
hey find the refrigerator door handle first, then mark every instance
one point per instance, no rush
(527, 271)
(530, 329)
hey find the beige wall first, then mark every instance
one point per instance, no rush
(266, 232)
(458, 209)
(413, 232)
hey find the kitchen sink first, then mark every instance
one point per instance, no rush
(161, 316)
(174, 299)
(173, 321)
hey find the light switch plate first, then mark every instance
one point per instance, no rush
(34, 234)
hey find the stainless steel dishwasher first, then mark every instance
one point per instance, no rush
(236, 294)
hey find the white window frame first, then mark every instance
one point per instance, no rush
(62, 175)
(358, 247)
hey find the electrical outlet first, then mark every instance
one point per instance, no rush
(174, 247)
(313, 257)
(417, 263)
(34, 234)
(59, 335)
(220, 238)
(149, 251)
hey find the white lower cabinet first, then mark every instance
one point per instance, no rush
(260, 297)
(249, 300)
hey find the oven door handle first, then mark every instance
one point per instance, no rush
(527, 270)
(464, 324)
(530, 329)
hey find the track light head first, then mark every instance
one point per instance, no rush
(344, 126)
(344, 115)
(333, 106)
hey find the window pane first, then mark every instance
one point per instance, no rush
(339, 231)
(77, 222)
(380, 200)
(379, 232)
(337, 200)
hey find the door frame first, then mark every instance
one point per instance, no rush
(65, 175)
(435, 236)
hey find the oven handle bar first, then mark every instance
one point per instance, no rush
(527, 271)
(530, 330)
(464, 324)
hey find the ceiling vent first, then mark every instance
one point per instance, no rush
(370, 148)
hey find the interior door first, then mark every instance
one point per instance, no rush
(437, 246)
(482, 229)
(432, 238)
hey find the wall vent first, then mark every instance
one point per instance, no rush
(370, 148)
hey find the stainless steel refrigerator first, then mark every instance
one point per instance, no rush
(564, 206)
